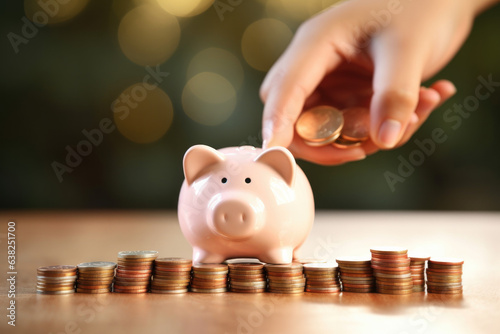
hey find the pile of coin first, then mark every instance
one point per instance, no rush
(356, 274)
(391, 267)
(134, 270)
(417, 269)
(209, 278)
(56, 280)
(444, 275)
(285, 278)
(324, 125)
(95, 277)
(247, 277)
(171, 275)
(322, 277)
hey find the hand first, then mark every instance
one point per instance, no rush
(365, 53)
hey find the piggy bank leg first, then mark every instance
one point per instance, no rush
(278, 256)
(202, 256)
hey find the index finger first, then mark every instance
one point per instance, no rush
(290, 81)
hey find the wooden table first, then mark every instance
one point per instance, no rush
(47, 238)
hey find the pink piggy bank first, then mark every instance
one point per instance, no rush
(244, 202)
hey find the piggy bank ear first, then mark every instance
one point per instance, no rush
(281, 160)
(197, 159)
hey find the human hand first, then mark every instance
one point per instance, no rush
(337, 58)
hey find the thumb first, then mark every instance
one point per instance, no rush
(396, 86)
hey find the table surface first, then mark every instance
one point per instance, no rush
(48, 238)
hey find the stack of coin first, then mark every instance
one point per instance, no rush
(322, 277)
(391, 267)
(247, 277)
(209, 278)
(356, 274)
(95, 277)
(171, 275)
(134, 270)
(285, 278)
(56, 280)
(444, 275)
(417, 269)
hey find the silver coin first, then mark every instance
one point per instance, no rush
(137, 254)
(96, 265)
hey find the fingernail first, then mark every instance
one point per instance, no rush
(414, 119)
(454, 89)
(388, 133)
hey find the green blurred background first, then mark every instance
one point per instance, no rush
(67, 74)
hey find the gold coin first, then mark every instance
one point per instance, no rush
(446, 261)
(395, 292)
(62, 292)
(210, 267)
(341, 142)
(173, 261)
(217, 290)
(320, 125)
(389, 250)
(169, 291)
(356, 124)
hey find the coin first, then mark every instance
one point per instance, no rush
(96, 266)
(168, 261)
(320, 125)
(446, 261)
(217, 290)
(395, 292)
(169, 291)
(57, 269)
(347, 260)
(341, 142)
(93, 290)
(356, 124)
(138, 254)
(388, 250)
(62, 292)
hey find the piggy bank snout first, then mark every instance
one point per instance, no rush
(236, 215)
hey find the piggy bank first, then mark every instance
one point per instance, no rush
(244, 202)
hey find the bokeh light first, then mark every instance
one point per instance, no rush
(208, 98)
(143, 114)
(53, 12)
(148, 36)
(263, 42)
(185, 8)
(218, 61)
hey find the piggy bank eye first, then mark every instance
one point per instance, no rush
(248, 180)
(224, 180)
